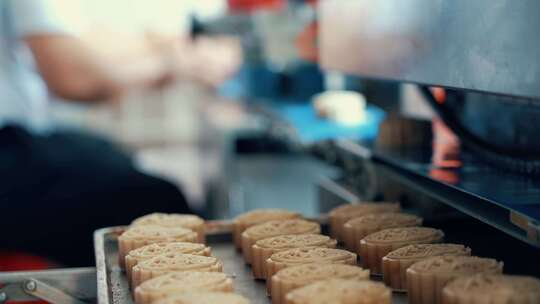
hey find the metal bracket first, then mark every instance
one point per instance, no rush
(62, 286)
(48, 293)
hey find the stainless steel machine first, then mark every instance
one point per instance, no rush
(485, 55)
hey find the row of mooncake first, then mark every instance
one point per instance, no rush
(166, 261)
(295, 259)
(291, 255)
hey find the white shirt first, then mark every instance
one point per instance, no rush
(24, 97)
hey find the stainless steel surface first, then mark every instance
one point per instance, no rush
(483, 45)
(43, 291)
(113, 288)
(234, 265)
(332, 194)
(78, 283)
(14, 291)
(252, 182)
(107, 275)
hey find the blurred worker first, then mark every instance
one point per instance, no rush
(57, 187)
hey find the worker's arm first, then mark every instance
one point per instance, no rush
(74, 71)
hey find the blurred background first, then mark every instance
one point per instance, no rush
(187, 126)
(184, 131)
(218, 107)
(181, 132)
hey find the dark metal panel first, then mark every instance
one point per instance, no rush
(474, 188)
(481, 45)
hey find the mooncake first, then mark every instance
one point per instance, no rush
(339, 291)
(358, 228)
(181, 282)
(295, 277)
(149, 251)
(340, 215)
(426, 279)
(139, 236)
(275, 228)
(173, 220)
(255, 217)
(492, 288)
(172, 262)
(264, 248)
(376, 245)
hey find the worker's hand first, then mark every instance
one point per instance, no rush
(169, 50)
(214, 59)
(207, 60)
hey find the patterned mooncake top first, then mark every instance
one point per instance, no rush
(265, 215)
(339, 291)
(457, 265)
(296, 241)
(308, 273)
(158, 233)
(179, 262)
(364, 208)
(169, 220)
(313, 255)
(495, 288)
(204, 298)
(184, 281)
(420, 251)
(275, 228)
(406, 234)
(156, 249)
(384, 220)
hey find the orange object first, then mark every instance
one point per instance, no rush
(443, 175)
(251, 5)
(16, 261)
(439, 94)
(306, 43)
(446, 145)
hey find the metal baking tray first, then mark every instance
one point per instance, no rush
(112, 286)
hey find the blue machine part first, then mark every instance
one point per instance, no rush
(311, 129)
